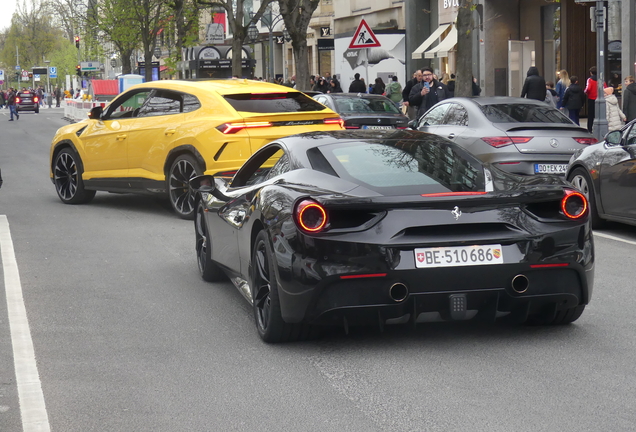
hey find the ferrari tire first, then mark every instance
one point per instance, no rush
(581, 180)
(267, 313)
(209, 271)
(37, 110)
(181, 198)
(67, 177)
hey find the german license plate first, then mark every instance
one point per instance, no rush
(458, 256)
(550, 168)
(377, 127)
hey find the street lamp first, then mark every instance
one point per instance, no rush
(252, 33)
(270, 20)
(48, 83)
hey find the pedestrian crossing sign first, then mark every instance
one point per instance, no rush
(364, 37)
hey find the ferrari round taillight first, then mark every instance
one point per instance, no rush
(310, 216)
(574, 204)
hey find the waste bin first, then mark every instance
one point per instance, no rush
(49, 99)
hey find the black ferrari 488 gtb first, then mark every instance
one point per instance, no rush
(389, 227)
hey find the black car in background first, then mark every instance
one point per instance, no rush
(365, 111)
(606, 173)
(27, 101)
(349, 228)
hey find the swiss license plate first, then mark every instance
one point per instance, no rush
(377, 127)
(550, 168)
(456, 256)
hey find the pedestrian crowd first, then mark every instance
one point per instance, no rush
(570, 96)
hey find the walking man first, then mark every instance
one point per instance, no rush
(428, 92)
(11, 103)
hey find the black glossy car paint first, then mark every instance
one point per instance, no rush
(345, 273)
(611, 170)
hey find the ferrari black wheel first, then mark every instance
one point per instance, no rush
(37, 110)
(267, 314)
(67, 178)
(210, 272)
(181, 171)
(580, 179)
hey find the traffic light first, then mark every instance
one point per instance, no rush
(78, 70)
(77, 42)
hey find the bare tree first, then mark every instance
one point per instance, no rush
(297, 14)
(69, 15)
(239, 19)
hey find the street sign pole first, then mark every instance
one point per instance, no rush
(600, 128)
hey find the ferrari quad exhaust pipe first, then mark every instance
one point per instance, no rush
(520, 283)
(398, 292)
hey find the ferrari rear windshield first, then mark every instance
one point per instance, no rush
(346, 105)
(273, 102)
(523, 113)
(427, 165)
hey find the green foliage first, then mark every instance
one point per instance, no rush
(117, 20)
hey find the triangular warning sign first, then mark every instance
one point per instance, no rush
(364, 37)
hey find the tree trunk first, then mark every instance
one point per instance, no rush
(237, 56)
(465, 27)
(148, 63)
(301, 57)
(126, 65)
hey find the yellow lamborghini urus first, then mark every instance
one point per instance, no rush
(156, 136)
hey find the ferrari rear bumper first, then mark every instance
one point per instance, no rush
(513, 291)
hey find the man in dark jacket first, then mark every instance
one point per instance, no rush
(11, 103)
(573, 99)
(534, 86)
(357, 86)
(629, 98)
(428, 92)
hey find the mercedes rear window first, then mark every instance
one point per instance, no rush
(365, 105)
(523, 113)
(273, 102)
(427, 165)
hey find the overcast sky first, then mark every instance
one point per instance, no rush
(7, 7)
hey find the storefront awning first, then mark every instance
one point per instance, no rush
(419, 52)
(444, 46)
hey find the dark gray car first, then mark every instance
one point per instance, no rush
(606, 174)
(365, 111)
(521, 136)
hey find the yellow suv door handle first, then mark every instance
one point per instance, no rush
(169, 132)
(121, 137)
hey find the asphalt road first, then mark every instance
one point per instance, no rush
(127, 337)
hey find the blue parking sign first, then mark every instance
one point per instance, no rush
(52, 72)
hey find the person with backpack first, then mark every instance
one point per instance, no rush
(394, 91)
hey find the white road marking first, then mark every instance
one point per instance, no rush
(611, 237)
(32, 407)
